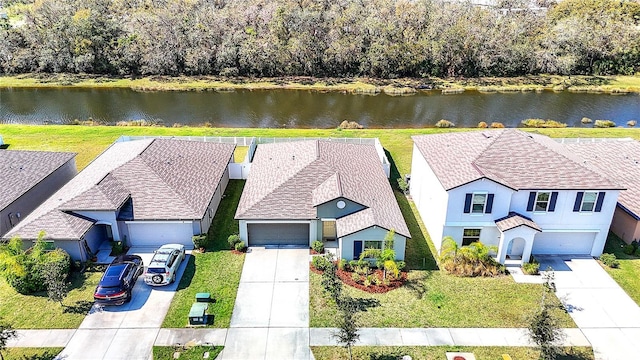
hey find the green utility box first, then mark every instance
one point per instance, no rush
(203, 297)
(198, 314)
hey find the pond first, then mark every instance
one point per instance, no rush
(308, 109)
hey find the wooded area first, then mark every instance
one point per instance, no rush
(337, 38)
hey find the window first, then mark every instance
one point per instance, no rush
(49, 245)
(373, 244)
(470, 236)
(542, 201)
(589, 201)
(477, 203)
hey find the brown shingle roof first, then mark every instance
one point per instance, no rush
(21, 170)
(513, 158)
(167, 179)
(513, 220)
(618, 159)
(288, 179)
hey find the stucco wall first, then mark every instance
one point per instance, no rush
(372, 233)
(625, 226)
(212, 208)
(330, 209)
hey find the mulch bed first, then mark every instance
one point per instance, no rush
(237, 252)
(313, 252)
(345, 276)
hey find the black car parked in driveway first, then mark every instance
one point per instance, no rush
(118, 280)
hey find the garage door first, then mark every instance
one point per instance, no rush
(278, 234)
(151, 234)
(563, 243)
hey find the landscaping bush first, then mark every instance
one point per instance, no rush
(318, 246)
(353, 264)
(391, 269)
(355, 277)
(199, 241)
(350, 125)
(604, 124)
(241, 246)
(497, 125)
(541, 123)
(403, 185)
(631, 123)
(586, 120)
(482, 125)
(531, 268)
(470, 260)
(343, 264)
(444, 124)
(401, 265)
(233, 240)
(117, 248)
(609, 260)
(320, 263)
(629, 249)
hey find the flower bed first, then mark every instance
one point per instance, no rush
(346, 277)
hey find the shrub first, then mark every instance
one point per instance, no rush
(635, 244)
(391, 269)
(497, 125)
(586, 120)
(117, 248)
(531, 268)
(482, 125)
(342, 264)
(628, 249)
(240, 246)
(355, 277)
(631, 123)
(541, 123)
(320, 262)
(350, 125)
(233, 240)
(28, 273)
(317, 246)
(470, 260)
(199, 241)
(353, 264)
(444, 124)
(604, 124)
(375, 280)
(403, 185)
(610, 260)
(401, 265)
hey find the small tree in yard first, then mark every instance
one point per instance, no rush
(330, 281)
(55, 279)
(347, 333)
(6, 334)
(544, 329)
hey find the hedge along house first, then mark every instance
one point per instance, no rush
(27, 179)
(144, 192)
(618, 159)
(302, 191)
(522, 192)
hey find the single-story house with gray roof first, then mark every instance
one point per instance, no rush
(521, 192)
(302, 191)
(27, 179)
(618, 159)
(143, 192)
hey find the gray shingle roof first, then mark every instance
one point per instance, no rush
(513, 220)
(513, 158)
(167, 180)
(288, 179)
(21, 170)
(618, 159)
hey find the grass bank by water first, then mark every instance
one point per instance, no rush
(405, 86)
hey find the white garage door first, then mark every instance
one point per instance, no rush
(563, 243)
(278, 234)
(156, 234)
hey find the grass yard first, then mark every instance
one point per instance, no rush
(37, 312)
(217, 271)
(438, 352)
(628, 274)
(192, 353)
(31, 353)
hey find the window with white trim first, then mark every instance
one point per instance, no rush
(373, 244)
(589, 201)
(470, 236)
(478, 203)
(542, 201)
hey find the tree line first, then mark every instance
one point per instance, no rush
(335, 38)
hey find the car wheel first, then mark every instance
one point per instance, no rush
(157, 279)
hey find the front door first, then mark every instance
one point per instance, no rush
(357, 249)
(329, 232)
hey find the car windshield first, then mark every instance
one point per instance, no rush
(115, 270)
(155, 270)
(103, 290)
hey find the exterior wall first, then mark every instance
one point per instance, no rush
(73, 247)
(36, 195)
(429, 196)
(625, 226)
(156, 233)
(372, 233)
(244, 235)
(330, 210)
(94, 237)
(205, 223)
(502, 200)
(104, 217)
(489, 233)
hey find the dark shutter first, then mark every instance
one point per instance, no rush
(599, 201)
(489, 207)
(552, 202)
(532, 200)
(576, 205)
(467, 203)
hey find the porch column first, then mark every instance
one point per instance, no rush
(502, 249)
(528, 246)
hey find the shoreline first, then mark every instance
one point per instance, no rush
(361, 86)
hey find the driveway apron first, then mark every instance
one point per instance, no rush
(607, 316)
(127, 331)
(271, 315)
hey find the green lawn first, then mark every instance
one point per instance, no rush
(37, 312)
(628, 274)
(192, 353)
(217, 271)
(438, 352)
(31, 353)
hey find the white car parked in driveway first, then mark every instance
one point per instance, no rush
(164, 265)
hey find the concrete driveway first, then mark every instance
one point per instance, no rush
(271, 315)
(607, 316)
(127, 331)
